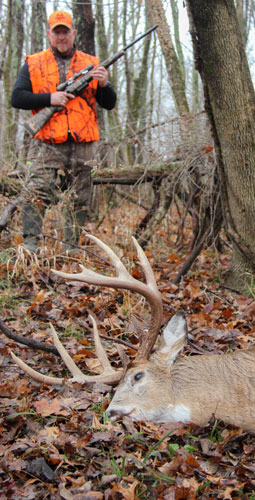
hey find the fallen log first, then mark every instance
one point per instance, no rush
(135, 174)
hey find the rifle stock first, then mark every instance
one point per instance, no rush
(76, 87)
(37, 121)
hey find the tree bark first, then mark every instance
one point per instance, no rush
(14, 43)
(173, 67)
(38, 23)
(230, 104)
(85, 26)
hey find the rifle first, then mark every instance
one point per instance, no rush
(75, 86)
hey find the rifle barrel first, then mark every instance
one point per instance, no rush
(140, 37)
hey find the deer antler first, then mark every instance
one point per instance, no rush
(123, 280)
(149, 290)
(109, 375)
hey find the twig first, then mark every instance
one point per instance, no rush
(119, 341)
(133, 199)
(187, 265)
(234, 290)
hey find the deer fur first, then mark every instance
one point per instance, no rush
(175, 388)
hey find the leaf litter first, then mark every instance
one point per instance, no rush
(57, 443)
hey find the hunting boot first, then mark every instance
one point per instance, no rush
(74, 222)
(32, 220)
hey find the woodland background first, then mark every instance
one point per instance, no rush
(175, 169)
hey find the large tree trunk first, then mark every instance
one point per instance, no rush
(230, 103)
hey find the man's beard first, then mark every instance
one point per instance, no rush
(62, 55)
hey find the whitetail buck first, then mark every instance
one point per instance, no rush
(163, 386)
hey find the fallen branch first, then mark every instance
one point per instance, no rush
(188, 263)
(34, 344)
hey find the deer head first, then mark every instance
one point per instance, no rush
(162, 386)
(148, 381)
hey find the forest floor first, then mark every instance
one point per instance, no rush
(56, 441)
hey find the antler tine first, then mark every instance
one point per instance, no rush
(100, 351)
(109, 375)
(155, 300)
(125, 281)
(149, 275)
(94, 278)
(45, 379)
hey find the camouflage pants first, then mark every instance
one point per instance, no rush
(51, 171)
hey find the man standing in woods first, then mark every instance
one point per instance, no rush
(62, 154)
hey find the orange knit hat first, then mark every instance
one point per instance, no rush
(60, 18)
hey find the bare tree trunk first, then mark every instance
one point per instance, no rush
(14, 44)
(103, 52)
(230, 104)
(85, 26)
(38, 23)
(138, 101)
(114, 70)
(245, 15)
(173, 67)
(175, 16)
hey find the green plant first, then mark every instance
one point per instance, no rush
(135, 435)
(189, 448)
(155, 446)
(70, 332)
(28, 414)
(203, 486)
(156, 477)
(116, 468)
(173, 447)
(141, 492)
(8, 299)
(215, 434)
(249, 496)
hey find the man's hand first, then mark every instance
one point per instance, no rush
(100, 74)
(60, 98)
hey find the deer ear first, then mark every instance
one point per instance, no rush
(173, 337)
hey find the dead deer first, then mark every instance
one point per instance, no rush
(162, 386)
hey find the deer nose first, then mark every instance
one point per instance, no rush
(113, 414)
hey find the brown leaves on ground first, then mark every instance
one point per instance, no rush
(56, 443)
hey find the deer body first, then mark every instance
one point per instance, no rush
(193, 389)
(164, 386)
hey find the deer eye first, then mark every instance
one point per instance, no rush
(138, 376)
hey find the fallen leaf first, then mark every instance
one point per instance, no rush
(127, 492)
(45, 407)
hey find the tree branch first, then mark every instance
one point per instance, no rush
(28, 342)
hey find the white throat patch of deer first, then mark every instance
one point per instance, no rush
(163, 386)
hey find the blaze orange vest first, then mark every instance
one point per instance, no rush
(79, 117)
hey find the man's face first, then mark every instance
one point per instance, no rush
(62, 38)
